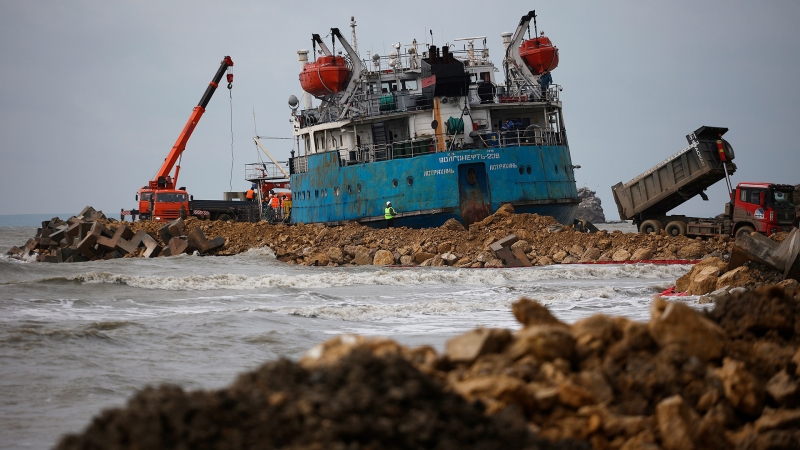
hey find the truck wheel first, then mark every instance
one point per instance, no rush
(745, 229)
(676, 228)
(650, 226)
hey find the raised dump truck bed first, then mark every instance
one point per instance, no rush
(676, 179)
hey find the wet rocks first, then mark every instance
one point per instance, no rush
(590, 207)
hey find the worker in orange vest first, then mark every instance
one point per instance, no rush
(251, 194)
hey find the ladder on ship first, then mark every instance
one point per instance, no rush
(379, 140)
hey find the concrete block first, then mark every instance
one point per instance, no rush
(83, 229)
(152, 247)
(176, 227)
(29, 246)
(16, 251)
(165, 234)
(58, 234)
(86, 212)
(198, 240)
(178, 246)
(86, 246)
(166, 251)
(507, 241)
(138, 238)
(125, 246)
(67, 252)
(106, 243)
(520, 255)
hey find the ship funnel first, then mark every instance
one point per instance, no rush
(303, 57)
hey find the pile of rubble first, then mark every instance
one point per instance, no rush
(727, 378)
(590, 208)
(91, 236)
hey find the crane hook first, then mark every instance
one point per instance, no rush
(230, 80)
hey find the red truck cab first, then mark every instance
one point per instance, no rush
(166, 203)
(764, 207)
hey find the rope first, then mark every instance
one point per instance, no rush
(230, 181)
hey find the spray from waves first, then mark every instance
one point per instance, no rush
(390, 277)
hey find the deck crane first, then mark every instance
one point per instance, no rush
(160, 193)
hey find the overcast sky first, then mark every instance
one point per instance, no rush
(94, 93)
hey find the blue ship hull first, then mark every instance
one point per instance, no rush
(429, 189)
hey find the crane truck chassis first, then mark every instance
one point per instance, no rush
(764, 207)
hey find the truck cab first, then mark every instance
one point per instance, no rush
(166, 204)
(764, 207)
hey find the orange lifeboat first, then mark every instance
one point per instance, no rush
(325, 76)
(539, 54)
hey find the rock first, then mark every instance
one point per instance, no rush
(467, 347)
(780, 419)
(504, 210)
(544, 261)
(406, 260)
(590, 207)
(704, 282)
(678, 325)
(574, 396)
(682, 284)
(559, 256)
(740, 276)
(530, 312)
(495, 391)
(576, 250)
(453, 225)
(676, 423)
(449, 258)
(545, 342)
(693, 250)
(782, 387)
(362, 256)
(642, 254)
(383, 258)
(335, 254)
(741, 388)
(594, 334)
(569, 260)
(591, 254)
(493, 262)
(444, 247)
(318, 259)
(421, 257)
(521, 244)
(621, 255)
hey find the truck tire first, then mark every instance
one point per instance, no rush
(676, 228)
(650, 226)
(744, 229)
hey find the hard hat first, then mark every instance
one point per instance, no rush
(388, 203)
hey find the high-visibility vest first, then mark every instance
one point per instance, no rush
(287, 205)
(250, 194)
(274, 202)
(389, 213)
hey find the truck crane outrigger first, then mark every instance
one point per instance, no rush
(159, 200)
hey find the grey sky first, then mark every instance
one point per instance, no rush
(94, 93)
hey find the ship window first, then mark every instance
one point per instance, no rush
(521, 170)
(333, 141)
(308, 194)
(394, 182)
(528, 169)
(336, 191)
(409, 85)
(349, 190)
(388, 86)
(473, 78)
(358, 188)
(373, 88)
(410, 181)
(555, 166)
(486, 76)
(316, 193)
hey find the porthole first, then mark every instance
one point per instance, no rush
(336, 191)
(349, 190)
(556, 167)
(528, 169)
(521, 170)
(358, 188)
(308, 194)
(410, 181)
(324, 193)
(394, 182)
(316, 193)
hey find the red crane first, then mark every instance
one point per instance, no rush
(160, 192)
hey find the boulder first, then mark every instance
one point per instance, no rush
(677, 423)
(406, 260)
(590, 207)
(678, 325)
(782, 387)
(544, 261)
(530, 312)
(704, 281)
(740, 276)
(362, 256)
(449, 258)
(591, 254)
(545, 342)
(383, 258)
(318, 259)
(467, 347)
(421, 257)
(444, 247)
(521, 244)
(576, 250)
(453, 225)
(335, 254)
(741, 388)
(559, 256)
(693, 250)
(621, 255)
(682, 284)
(642, 254)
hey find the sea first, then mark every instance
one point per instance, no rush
(78, 338)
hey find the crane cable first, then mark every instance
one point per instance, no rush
(230, 95)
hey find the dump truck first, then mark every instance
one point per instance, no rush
(754, 206)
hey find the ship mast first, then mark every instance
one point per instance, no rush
(353, 34)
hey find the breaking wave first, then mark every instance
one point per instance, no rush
(386, 276)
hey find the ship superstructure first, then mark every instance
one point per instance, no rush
(432, 130)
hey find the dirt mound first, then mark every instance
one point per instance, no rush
(361, 402)
(728, 378)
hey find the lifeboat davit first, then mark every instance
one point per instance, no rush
(325, 76)
(540, 54)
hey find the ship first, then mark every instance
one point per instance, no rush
(430, 129)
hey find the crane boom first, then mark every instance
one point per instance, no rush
(162, 179)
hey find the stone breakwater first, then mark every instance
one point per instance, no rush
(725, 378)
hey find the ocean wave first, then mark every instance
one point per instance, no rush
(385, 276)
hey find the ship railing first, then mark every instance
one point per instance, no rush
(383, 152)
(374, 104)
(265, 171)
(529, 136)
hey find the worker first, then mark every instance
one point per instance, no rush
(544, 81)
(275, 203)
(287, 206)
(250, 195)
(388, 214)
